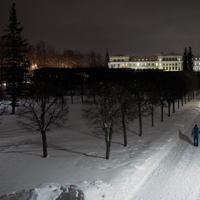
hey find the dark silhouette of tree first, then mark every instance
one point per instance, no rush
(102, 112)
(127, 106)
(190, 60)
(106, 58)
(42, 109)
(153, 99)
(139, 92)
(93, 59)
(185, 60)
(14, 50)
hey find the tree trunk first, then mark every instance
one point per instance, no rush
(173, 106)
(178, 103)
(72, 100)
(140, 117)
(13, 104)
(44, 143)
(168, 108)
(152, 113)
(124, 129)
(162, 113)
(82, 94)
(107, 151)
(13, 98)
(140, 124)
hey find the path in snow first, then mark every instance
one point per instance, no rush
(178, 174)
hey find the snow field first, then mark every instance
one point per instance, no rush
(77, 157)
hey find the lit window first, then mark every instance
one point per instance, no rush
(138, 64)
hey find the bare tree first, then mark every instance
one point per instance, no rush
(102, 112)
(139, 93)
(127, 105)
(42, 110)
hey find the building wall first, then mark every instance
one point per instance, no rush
(166, 62)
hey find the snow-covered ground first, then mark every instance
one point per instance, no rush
(162, 164)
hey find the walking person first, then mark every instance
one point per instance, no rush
(195, 133)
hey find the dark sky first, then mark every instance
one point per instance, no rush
(129, 27)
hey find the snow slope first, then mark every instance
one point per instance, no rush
(161, 164)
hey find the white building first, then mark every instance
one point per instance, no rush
(166, 62)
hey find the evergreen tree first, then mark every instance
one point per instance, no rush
(185, 60)
(14, 50)
(106, 58)
(190, 60)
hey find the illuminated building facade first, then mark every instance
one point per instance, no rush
(165, 62)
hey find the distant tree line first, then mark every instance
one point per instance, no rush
(122, 96)
(46, 56)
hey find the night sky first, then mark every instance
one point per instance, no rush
(129, 27)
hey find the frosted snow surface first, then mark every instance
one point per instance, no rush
(162, 164)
